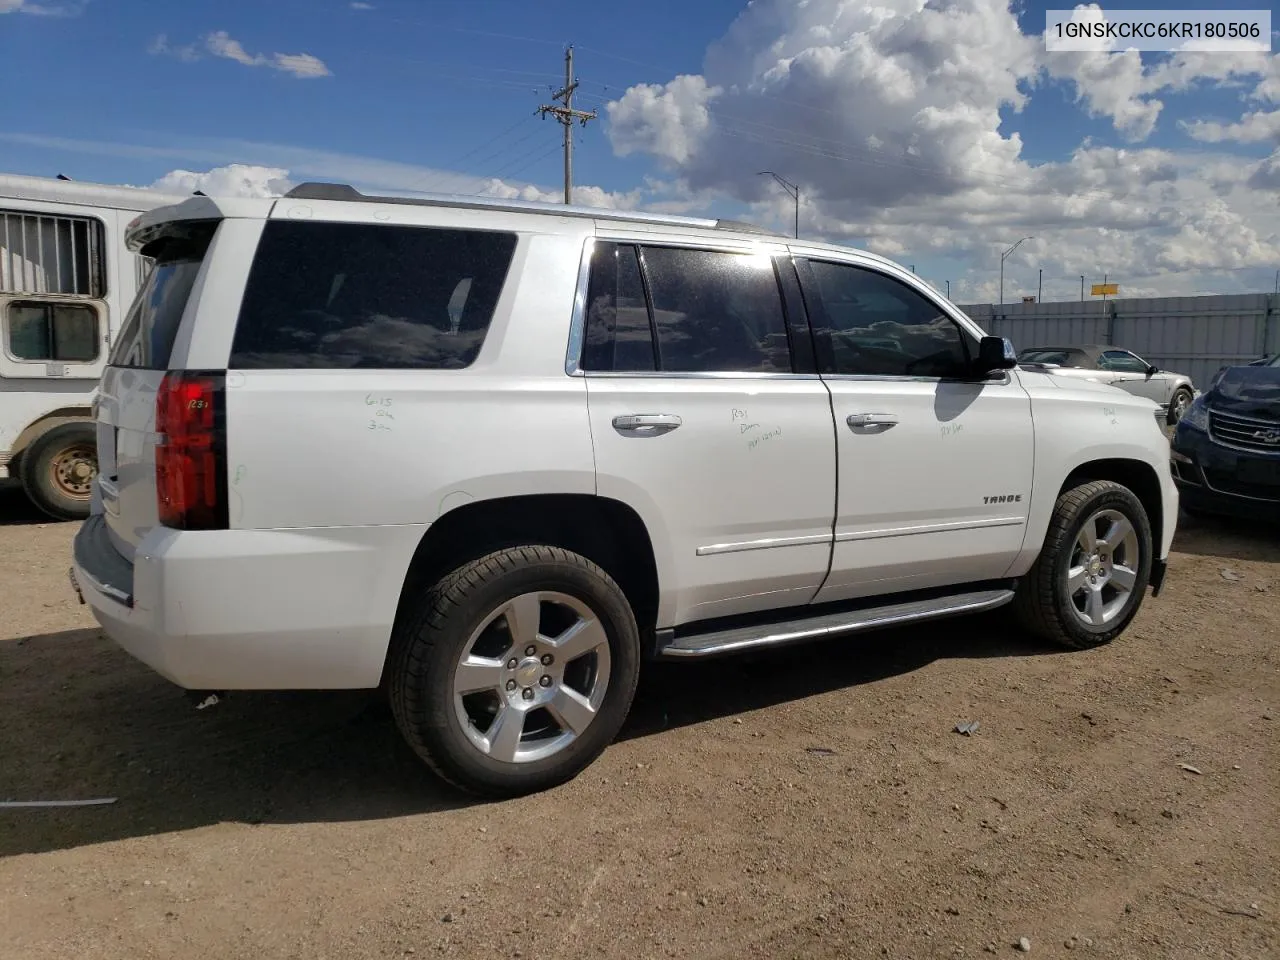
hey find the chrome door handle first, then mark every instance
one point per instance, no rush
(880, 421)
(646, 424)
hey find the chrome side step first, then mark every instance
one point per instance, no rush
(831, 624)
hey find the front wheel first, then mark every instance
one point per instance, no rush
(1179, 405)
(1087, 584)
(514, 672)
(58, 470)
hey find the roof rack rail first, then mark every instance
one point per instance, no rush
(744, 226)
(313, 190)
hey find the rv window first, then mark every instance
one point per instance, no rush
(53, 332)
(51, 255)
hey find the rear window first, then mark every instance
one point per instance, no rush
(152, 324)
(345, 296)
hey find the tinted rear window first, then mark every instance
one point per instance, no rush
(151, 326)
(344, 296)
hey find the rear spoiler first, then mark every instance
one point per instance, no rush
(145, 227)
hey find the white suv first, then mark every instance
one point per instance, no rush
(492, 456)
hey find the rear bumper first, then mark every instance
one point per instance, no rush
(250, 609)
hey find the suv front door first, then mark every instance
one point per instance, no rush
(709, 424)
(934, 467)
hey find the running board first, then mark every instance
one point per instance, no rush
(829, 625)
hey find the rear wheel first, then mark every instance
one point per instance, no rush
(514, 672)
(58, 470)
(1087, 584)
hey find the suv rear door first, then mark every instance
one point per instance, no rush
(137, 365)
(191, 243)
(707, 417)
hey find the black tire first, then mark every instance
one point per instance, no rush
(1043, 605)
(429, 641)
(44, 470)
(1181, 394)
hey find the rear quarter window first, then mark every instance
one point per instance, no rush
(151, 327)
(348, 296)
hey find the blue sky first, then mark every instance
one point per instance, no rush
(935, 136)
(416, 81)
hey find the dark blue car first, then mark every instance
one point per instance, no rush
(1226, 451)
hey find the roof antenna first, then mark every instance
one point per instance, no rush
(63, 176)
(198, 193)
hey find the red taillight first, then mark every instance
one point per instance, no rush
(191, 476)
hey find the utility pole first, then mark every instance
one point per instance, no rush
(1040, 287)
(948, 289)
(1082, 288)
(793, 191)
(567, 116)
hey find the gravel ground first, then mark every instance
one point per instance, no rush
(811, 803)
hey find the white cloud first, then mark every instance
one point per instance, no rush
(160, 46)
(1258, 126)
(300, 64)
(361, 5)
(71, 8)
(668, 121)
(232, 180)
(222, 44)
(890, 119)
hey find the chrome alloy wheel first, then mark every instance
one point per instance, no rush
(1104, 567)
(532, 677)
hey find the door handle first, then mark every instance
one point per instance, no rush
(878, 421)
(646, 424)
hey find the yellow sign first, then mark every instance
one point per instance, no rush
(1106, 289)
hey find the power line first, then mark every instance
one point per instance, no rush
(494, 139)
(522, 164)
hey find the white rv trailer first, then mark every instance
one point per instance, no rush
(66, 282)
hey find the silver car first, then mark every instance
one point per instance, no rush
(1120, 368)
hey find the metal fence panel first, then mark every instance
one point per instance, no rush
(1192, 335)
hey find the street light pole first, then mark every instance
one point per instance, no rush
(793, 191)
(1003, 257)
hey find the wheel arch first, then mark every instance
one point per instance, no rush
(1137, 475)
(46, 422)
(608, 532)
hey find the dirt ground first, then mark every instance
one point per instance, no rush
(812, 803)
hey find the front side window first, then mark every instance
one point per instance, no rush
(1122, 361)
(878, 326)
(357, 296)
(39, 331)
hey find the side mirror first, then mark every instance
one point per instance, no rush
(995, 353)
(1152, 370)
